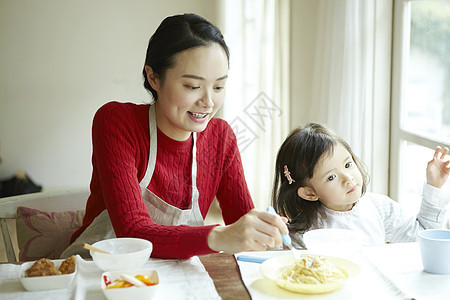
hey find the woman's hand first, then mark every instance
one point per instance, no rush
(257, 230)
(438, 168)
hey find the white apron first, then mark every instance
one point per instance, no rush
(160, 211)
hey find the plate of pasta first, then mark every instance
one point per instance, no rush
(312, 274)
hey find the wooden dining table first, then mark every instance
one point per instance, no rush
(384, 271)
(224, 271)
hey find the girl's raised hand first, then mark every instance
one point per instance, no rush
(438, 169)
(257, 230)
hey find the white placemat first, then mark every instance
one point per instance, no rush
(179, 279)
(370, 283)
(401, 263)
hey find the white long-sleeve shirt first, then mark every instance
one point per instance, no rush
(379, 219)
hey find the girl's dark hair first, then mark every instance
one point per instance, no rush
(175, 34)
(300, 152)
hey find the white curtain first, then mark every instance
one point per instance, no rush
(346, 78)
(257, 101)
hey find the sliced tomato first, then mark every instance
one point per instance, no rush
(107, 280)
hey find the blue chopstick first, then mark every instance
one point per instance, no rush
(254, 259)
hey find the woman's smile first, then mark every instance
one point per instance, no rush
(198, 117)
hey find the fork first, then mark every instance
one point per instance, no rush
(286, 238)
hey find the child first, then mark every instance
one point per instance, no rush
(320, 183)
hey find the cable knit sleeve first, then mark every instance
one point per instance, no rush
(233, 194)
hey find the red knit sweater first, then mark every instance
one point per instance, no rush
(120, 135)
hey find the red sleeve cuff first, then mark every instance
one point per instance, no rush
(192, 241)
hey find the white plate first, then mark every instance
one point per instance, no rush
(42, 283)
(272, 267)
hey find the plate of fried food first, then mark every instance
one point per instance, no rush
(312, 274)
(46, 274)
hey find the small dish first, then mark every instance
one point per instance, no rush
(272, 267)
(125, 253)
(133, 292)
(42, 283)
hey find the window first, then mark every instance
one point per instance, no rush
(420, 117)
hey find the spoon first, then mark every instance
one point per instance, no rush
(286, 238)
(90, 247)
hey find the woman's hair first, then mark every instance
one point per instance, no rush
(175, 34)
(300, 152)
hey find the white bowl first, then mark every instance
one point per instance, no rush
(146, 292)
(332, 241)
(125, 253)
(42, 283)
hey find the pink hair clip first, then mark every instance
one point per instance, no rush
(288, 175)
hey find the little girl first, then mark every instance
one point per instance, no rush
(320, 183)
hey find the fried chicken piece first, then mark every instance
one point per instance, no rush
(42, 267)
(68, 266)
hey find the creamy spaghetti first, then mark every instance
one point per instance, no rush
(311, 269)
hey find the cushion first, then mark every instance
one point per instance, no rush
(45, 233)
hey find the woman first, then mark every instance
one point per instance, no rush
(157, 168)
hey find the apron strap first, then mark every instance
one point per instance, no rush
(153, 148)
(160, 211)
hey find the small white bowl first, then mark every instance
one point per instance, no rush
(133, 292)
(42, 283)
(125, 253)
(332, 241)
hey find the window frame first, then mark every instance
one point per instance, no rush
(400, 136)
